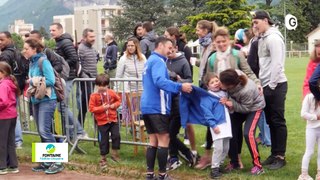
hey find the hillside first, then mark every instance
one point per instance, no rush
(40, 13)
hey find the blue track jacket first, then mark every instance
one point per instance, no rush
(201, 107)
(157, 87)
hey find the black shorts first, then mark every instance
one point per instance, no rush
(156, 123)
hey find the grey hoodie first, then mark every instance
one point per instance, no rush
(180, 66)
(148, 43)
(247, 98)
(271, 52)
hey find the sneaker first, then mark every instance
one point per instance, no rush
(173, 163)
(186, 142)
(115, 159)
(103, 163)
(3, 171)
(41, 167)
(203, 163)
(13, 170)
(19, 145)
(215, 173)
(151, 176)
(269, 160)
(164, 177)
(305, 177)
(204, 145)
(190, 158)
(277, 164)
(83, 136)
(257, 170)
(31, 118)
(230, 167)
(54, 168)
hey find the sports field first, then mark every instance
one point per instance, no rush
(133, 167)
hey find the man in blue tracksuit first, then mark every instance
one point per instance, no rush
(155, 105)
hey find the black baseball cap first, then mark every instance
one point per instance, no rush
(261, 14)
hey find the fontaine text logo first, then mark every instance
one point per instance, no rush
(49, 152)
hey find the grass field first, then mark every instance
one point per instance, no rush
(133, 167)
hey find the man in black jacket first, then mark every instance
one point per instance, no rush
(55, 62)
(7, 54)
(66, 49)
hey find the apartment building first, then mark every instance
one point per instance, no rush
(67, 22)
(20, 27)
(96, 17)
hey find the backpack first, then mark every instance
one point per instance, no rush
(58, 85)
(212, 58)
(65, 66)
(19, 67)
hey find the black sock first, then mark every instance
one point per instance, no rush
(162, 158)
(151, 158)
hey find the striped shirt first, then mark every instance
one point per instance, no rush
(88, 59)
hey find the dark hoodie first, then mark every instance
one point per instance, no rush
(178, 66)
(148, 43)
(110, 60)
(66, 49)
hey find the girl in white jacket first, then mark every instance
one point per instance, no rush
(310, 111)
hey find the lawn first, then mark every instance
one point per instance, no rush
(133, 167)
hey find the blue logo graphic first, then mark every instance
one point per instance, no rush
(50, 148)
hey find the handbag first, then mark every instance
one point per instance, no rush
(41, 89)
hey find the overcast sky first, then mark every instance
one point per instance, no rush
(2, 2)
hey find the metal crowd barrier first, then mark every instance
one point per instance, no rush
(66, 130)
(125, 88)
(28, 124)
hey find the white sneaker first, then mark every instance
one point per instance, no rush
(84, 135)
(19, 145)
(186, 142)
(31, 118)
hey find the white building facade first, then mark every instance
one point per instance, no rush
(98, 18)
(20, 27)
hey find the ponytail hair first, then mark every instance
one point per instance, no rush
(230, 77)
(211, 26)
(6, 70)
(15, 82)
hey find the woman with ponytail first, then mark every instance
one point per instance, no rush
(8, 116)
(245, 104)
(204, 30)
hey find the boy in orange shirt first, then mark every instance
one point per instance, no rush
(103, 104)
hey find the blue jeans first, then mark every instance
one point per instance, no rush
(70, 114)
(264, 134)
(43, 115)
(18, 130)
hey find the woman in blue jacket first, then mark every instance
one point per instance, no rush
(43, 108)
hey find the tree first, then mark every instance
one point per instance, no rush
(311, 12)
(234, 14)
(44, 33)
(17, 41)
(134, 12)
(298, 9)
(50, 43)
(162, 13)
(268, 2)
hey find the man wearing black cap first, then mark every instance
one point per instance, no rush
(271, 52)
